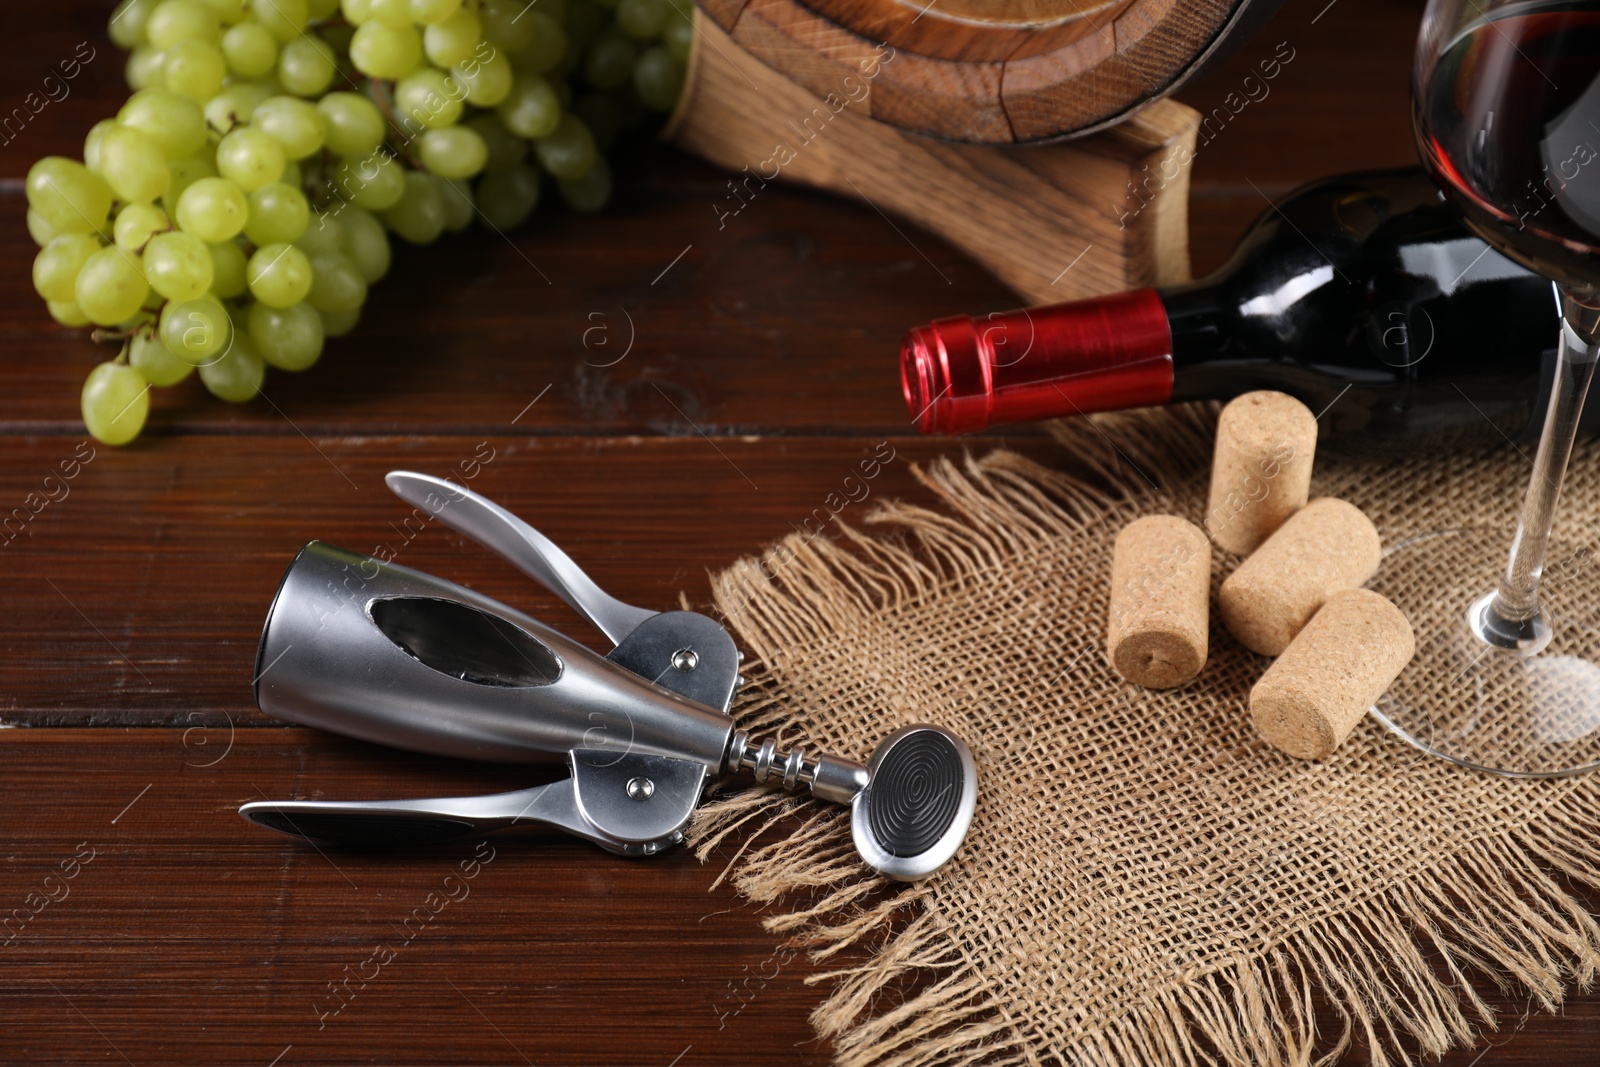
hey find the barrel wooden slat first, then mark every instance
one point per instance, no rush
(969, 70)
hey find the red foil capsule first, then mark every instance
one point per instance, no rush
(961, 375)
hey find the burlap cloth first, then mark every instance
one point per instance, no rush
(1146, 882)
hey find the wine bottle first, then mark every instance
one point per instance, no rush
(1363, 295)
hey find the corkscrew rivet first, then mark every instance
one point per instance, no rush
(641, 788)
(685, 660)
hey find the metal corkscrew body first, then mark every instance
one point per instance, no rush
(387, 654)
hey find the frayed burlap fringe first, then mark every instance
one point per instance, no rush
(1397, 948)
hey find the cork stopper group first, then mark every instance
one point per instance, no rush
(1296, 595)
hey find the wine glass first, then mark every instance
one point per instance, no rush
(1506, 111)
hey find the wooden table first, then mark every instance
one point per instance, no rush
(659, 396)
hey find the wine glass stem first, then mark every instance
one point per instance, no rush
(1516, 602)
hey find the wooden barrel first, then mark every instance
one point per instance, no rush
(990, 71)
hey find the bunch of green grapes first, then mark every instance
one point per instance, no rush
(233, 214)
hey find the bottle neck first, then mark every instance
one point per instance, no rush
(1201, 324)
(961, 375)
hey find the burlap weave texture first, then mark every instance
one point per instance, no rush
(1146, 881)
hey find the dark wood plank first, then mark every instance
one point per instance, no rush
(190, 936)
(139, 596)
(1341, 103)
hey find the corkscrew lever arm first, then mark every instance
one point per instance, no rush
(414, 822)
(530, 551)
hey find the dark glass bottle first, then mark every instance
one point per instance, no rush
(1363, 295)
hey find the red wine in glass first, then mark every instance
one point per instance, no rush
(1508, 118)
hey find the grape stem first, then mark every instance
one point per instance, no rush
(385, 102)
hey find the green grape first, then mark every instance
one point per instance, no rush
(228, 12)
(569, 152)
(428, 98)
(149, 355)
(116, 401)
(601, 114)
(459, 210)
(249, 158)
(336, 286)
(502, 25)
(179, 266)
(67, 312)
(365, 243)
(110, 287)
(321, 9)
(532, 110)
(185, 172)
(284, 19)
(145, 68)
(279, 275)
(306, 66)
(488, 81)
(679, 38)
(136, 224)
(180, 20)
(128, 22)
(40, 229)
(642, 19)
(380, 50)
(295, 124)
(355, 126)
(590, 192)
(419, 215)
(545, 51)
(56, 267)
(563, 92)
(610, 61)
(376, 183)
(324, 233)
(278, 213)
(287, 338)
(453, 152)
(227, 267)
(236, 375)
(174, 122)
(658, 79)
(67, 195)
(133, 164)
(430, 12)
(454, 40)
(507, 197)
(194, 68)
(91, 143)
(235, 106)
(195, 331)
(505, 149)
(213, 209)
(292, 175)
(356, 11)
(396, 13)
(339, 323)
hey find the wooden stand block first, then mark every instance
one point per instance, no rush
(1054, 222)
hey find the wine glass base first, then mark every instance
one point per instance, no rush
(1524, 704)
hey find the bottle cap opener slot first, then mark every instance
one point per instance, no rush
(384, 653)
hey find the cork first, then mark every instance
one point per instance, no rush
(1160, 601)
(1261, 468)
(1326, 546)
(1314, 694)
